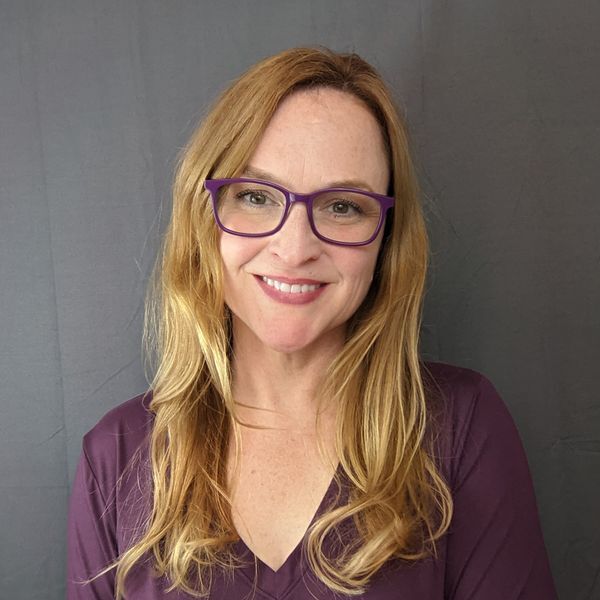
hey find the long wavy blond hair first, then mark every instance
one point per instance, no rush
(398, 503)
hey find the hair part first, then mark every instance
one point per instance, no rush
(398, 503)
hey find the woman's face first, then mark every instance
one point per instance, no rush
(316, 139)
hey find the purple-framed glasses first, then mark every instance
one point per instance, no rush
(257, 208)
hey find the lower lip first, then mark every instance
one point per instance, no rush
(288, 297)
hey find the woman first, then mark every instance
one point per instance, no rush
(293, 445)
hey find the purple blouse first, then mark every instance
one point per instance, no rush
(494, 549)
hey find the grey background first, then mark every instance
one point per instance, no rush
(96, 98)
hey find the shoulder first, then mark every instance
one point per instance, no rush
(470, 417)
(460, 390)
(110, 445)
(451, 378)
(494, 538)
(107, 503)
(126, 424)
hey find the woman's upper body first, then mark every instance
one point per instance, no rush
(493, 550)
(288, 300)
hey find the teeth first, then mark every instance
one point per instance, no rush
(295, 288)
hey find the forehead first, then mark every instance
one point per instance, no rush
(320, 135)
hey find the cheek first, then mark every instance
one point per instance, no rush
(362, 281)
(372, 258)
(366, 277)
(361, 264)
(236, 252)
(359, 270)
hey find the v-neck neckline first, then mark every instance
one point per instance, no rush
(276, 584)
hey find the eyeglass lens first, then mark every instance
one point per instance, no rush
(255, 208)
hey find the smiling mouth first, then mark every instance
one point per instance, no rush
(291, 288)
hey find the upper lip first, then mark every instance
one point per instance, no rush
(292, 281)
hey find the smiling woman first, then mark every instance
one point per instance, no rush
(293, 444)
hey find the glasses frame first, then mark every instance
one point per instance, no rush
(213, 185)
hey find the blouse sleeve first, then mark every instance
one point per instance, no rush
(495, 545)
(91, 537)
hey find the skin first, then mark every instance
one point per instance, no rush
(316, 139)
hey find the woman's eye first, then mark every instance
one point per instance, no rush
(340, 208)
(344, 208)
(256, 198)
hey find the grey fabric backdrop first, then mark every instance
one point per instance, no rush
(96, 98)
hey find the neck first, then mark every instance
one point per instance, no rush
(281, 390)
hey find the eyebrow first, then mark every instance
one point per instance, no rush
(256, 173)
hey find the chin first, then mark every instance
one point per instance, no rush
(287, 344)
(287, 335)
(299, 340)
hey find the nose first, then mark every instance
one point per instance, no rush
(295, 243)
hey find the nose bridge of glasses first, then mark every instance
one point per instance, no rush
(295, 199)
